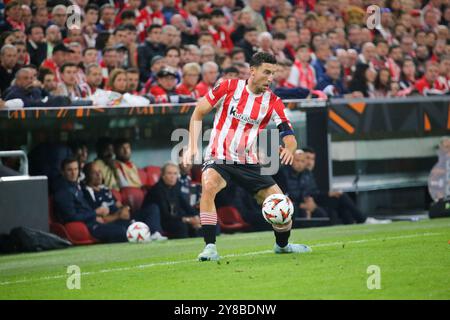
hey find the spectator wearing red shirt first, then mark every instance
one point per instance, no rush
(60, 55)
(302, 74)
(210, 72)
(429, 84)
(219, 32)
(165, 86)
(191, 75)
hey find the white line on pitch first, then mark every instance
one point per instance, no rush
(157, 264)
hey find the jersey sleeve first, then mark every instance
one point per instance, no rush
(282, 122)
(219, 91)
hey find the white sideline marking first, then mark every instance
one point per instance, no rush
(155, 264)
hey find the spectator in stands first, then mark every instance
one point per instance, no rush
(172, 60)
(331, 83)
(110, 210)
(81, 153)
(164, 90)
(191, 75)
(302, 73)
(59, 18)
(363, 80)
(53, 37)
(178, 218)
(36, 46)
(69, 86)
(71, 206)
(219, 32)
(152, 46)
(249, 43)
(8, 66)
(295, 181)
(60, 55)
(323, 53)
(26, 95)
(107, 14)
(125, 170)
(133, 84)
(335, 201)
(210, 73)
(13, 17)
(90, 55)
(429, 84)
(157, 64)
(230, 73)
(382, 83)
(207, 53)
(407, 77)
(48, 80)
(105, 161)
(94, 80)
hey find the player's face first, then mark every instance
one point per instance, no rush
(263, 76)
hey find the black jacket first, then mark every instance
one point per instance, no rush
(170, 200)
(33, 98)
(37, 52)
(146, 52)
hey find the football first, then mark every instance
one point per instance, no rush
(138, 232)
(277, 209)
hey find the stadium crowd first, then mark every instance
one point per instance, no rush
(136, 52)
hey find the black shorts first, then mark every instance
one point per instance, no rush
(248, 176)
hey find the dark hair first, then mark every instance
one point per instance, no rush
(309, 150)
(43, 72)
(127, 14)
(262, 57)
(119, 28)
(120, 142)
(132, 70)
(249, 29)
(279, 36)
(87, 49)
(102, 144)
(87, 170)
(177, 49)
(359, 82)
(236, 50)
(277, 17)
(217, 13)
(102, 40)
(67, 161)
(75, 145)
(67, 65)
(230, 70)
(153, 26)
(91, 6)
(34, 26)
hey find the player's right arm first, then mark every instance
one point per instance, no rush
(202, 108)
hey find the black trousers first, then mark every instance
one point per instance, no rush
(344, 207)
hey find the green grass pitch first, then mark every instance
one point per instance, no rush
(413, 260)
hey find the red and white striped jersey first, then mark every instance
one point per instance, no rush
(240, 117)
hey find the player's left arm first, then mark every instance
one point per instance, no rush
(286, 133)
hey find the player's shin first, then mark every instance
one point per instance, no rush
(282, 234)
(209, 224)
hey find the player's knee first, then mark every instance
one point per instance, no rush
(211, 187)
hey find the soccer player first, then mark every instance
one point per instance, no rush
(245, 109)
